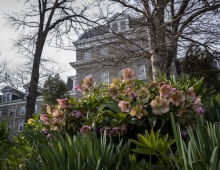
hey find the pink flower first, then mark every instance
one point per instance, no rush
(113, 92)
(116, 131)
(88, 82)
(125, 106)
(138, 112)
(128, 74)
(177, 97)
(160, 105)
(76, 114)
(63, 102)
(166, 90)
(184, 133)
(130, 93)
(190, 93)
(44, 118)
(50, 136)
(86, 129)
(143, 93)
(58, 113)
(78, 88)
(107, 129)
(45, 131)
(200, 111)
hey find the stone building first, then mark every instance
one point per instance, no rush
(104, 52)
(12, 108)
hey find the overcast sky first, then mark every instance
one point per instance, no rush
(6, 34)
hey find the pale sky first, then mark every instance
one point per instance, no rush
(63, 57)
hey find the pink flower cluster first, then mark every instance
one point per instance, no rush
(115, 131)
(168, 94)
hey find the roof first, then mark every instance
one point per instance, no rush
(104, 29)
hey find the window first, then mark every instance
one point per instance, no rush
(9, 97)
(119, 25)
(4, 98)
(105, 77)
(104, 51)
(121, 74)
(21, 126)
(87, 55)
(22, 110)
(115, 27)
(0, 113)
(10, 112)
(74, 84)
(215, 64)
(141, 72)
(123, 25)
(35, 109)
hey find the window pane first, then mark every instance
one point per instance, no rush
(105, 77)
(87, 55)
(22, 110)
(141, 72)
(123, 25)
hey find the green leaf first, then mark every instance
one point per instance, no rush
(144, 151)
(135, 121)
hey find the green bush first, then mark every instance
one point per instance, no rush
(61, 151)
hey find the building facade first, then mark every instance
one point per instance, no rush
(104, 52)
(13, 106)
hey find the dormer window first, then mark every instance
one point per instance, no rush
(6, 97)
(121, 25)
(87, 55)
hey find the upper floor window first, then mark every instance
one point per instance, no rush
(121, 25)
(6, 97)
(105, 77)
(10, 111)
(20, 126)
(141, 72)
(22, 110)
(87, 55)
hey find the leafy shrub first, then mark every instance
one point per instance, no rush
(128, 107)
(82, 151)
(201, 151)
(4, 143)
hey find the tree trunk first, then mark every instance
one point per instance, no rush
(32, 95)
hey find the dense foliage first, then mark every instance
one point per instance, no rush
(170, 124)
(198, 63)
(54, 88)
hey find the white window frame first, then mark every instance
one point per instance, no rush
(88, 55)
(35, 108)
(141, 77)
(22, 112)
(74, 84)
(104, 80)
(21, 126)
